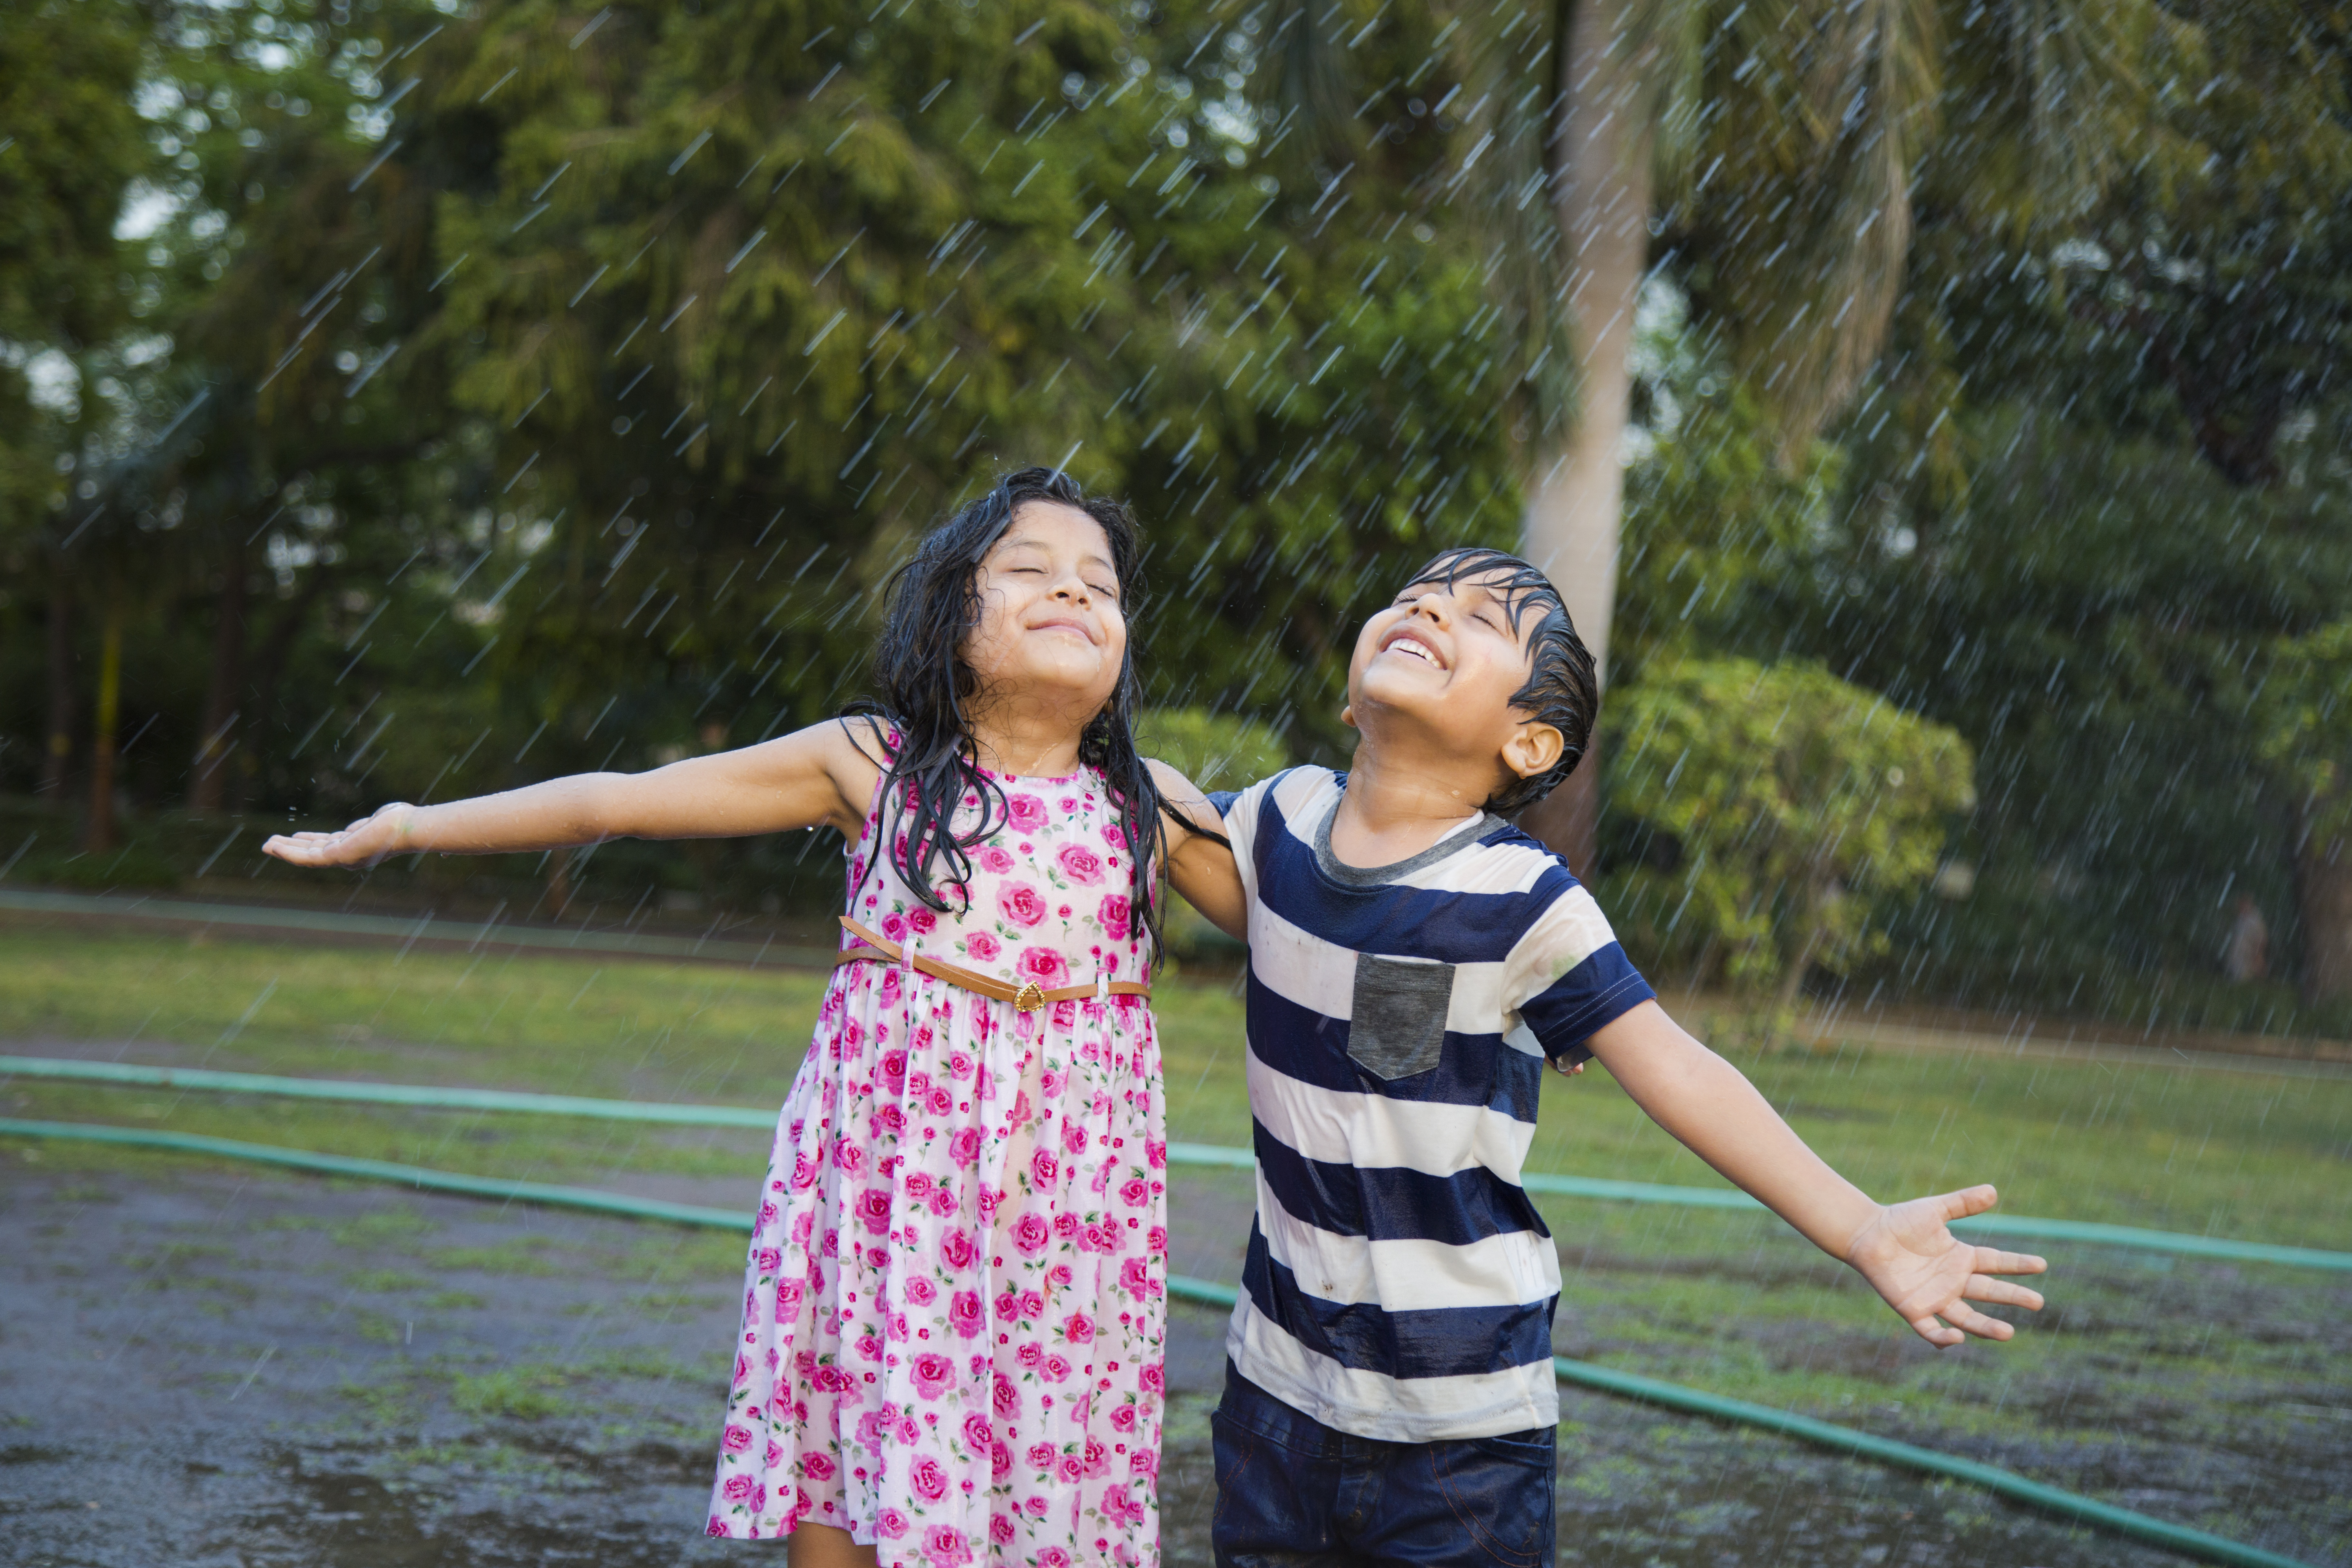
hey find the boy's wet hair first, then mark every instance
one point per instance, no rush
(1560, 689)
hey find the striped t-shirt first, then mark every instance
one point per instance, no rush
(1398, 1283)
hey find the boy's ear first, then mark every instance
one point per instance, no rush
(1533, 748)
(1348, 715)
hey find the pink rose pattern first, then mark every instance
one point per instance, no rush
(955, 1298)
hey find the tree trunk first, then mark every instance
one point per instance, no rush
(57, 754)
(1792, 978)
(208, 771)
(2323, 885)
(1602, 196)
(558, 881)
(268, 665)
(102, 836)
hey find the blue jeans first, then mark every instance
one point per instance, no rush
(1294, 1493)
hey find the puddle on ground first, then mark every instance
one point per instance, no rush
(349, 1518)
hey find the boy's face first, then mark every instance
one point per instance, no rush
(1446, 661)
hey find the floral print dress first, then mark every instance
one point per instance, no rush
(955, 1299)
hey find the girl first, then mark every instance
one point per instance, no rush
(955, 1295)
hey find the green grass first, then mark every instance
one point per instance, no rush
(529, 1392)
(2243, 1156)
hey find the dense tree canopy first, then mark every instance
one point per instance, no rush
(413, 398)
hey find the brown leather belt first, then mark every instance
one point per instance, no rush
(1028, 997)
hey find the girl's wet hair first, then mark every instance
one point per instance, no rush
(1560, 689)
(923, 688)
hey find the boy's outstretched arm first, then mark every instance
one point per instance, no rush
(1923, 1271)
(825, 773)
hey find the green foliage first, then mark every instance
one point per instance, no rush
(1781, 802)
(2302, 718)
(2095, 620)
(1215, 751)
(2099, 474)
(2170, 264)
(69, 142)
(741, 345)
(1715, 517)
(563, 409)
(2206, 292)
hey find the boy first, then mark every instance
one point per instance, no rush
(1414, 958)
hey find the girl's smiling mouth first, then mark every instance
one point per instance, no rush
(1066, 624)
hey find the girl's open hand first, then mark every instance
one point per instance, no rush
(1925, 1273)
(363, 843)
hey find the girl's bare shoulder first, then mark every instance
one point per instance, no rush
(866, 734)
(1173, 786)
(857, 752)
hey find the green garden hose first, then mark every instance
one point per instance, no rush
(2177, 1538)
(588, 1198)
(1991, 1477)
(2178, 1243)
(425, 1096)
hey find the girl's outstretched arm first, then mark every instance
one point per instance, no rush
(1201, 865)
(822, 774)
(1914, 1263)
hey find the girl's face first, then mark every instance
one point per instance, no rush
(1050, 628)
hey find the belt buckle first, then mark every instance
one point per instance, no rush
(1029, 997)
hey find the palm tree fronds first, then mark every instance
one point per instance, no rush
(1305, 75)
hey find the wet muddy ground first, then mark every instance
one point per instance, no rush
(203, 1366)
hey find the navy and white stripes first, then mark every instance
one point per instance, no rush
(1399, 1284)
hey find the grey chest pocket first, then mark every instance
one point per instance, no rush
(1396, 1027)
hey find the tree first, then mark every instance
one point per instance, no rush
(733, 345)
(73, 143)
(2095, 617)
(250, 129)
(1786, 806)
(1717, 518)
(2149, 370)
(2212, 275)
(2305, 719)
(69, 143)
(349, 440)
(1774, 151)
(294, 266)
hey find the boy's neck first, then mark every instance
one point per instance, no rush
(1399, 802)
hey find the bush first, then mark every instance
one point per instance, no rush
(1215, 751)
(1774, 805)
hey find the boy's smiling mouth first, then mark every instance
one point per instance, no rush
(1412, 644)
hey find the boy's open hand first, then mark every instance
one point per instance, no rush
(363, 843)
(1925, 1273)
